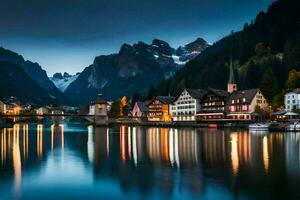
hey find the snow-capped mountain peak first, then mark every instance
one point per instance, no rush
(62, 81)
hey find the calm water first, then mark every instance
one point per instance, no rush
(73, 161)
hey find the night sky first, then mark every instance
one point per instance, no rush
(66, 35)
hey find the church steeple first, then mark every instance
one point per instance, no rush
(231, 74)
(231, 86)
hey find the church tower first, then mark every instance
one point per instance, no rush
(231, 86)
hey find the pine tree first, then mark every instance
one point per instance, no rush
(268, 84)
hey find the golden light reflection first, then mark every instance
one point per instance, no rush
(107, 142)
(25, 141)
(265, 153)
(234, 152)
(3, 146)
(177, 147)
(165, 143)
(17, 165)
(129, 142)
(40, 140)
(123, 142)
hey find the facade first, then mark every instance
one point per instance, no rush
(98, 107)
(2, 107)
(98, 111)
(241, 104)
(292, 100)
(158, 109)
(140, 109)
(187, 105)
(213, 105)
(41, 111)
(231, 104)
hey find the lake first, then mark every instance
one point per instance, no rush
(72, 161)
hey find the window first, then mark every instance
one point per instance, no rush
(244, 99)
(232, 101)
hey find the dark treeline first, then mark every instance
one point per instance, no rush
(263, 53)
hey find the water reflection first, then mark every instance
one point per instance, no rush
(154, 162)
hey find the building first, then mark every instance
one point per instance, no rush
(187, 105)
(98, 111)
(213, 105)
(231, 104)
(2, 107)
(292, 100)
(158, 109)
(41, 111)
(242, 104)
(231, 86)
(140, 109)
(12, 106)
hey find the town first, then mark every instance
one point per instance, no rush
(211, 107)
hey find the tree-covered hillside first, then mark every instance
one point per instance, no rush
(263, 54)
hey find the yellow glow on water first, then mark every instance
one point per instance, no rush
(25, 141)
(234, 153)
(3, 146)
(40, 140)
(265, 153)
(123, 142)
(17, 165)
(129, 142)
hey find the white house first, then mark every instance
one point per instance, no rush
(41, 111)
(187, 105)
(292, 100)
(98, 111)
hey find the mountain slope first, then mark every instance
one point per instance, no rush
(14, 81)
(134, 68)
(271, 41)
(34, 72)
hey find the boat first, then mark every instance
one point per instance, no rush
(259, 127)
(293, 127)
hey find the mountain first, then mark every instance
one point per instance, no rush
(134, 68)
(263, 53)
(62, 81)
(191, 50)
(14, 81)
(26, 80)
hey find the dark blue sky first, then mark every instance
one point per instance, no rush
(66, 35)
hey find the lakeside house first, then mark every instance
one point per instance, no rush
(12, 106)
(187, 105)
(241, 105)
(140, 110)
(159, 109)
(2, 107)
(292, 100)
(213, 105)
(98, 110)
(216, 104)
(42, 111)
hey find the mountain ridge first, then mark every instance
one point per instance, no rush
(134, 68)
